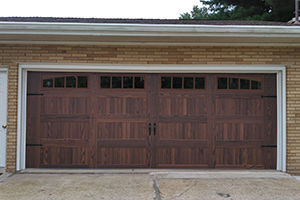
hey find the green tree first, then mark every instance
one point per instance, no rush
(196, 13)
(268, 10)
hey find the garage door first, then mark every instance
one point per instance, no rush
(98, 120)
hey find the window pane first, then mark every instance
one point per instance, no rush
(128, 82)
(105, 82)
(200, 83)
(165, 82)
(177, 82)
(71, 82)
(48, 83)
(233, 83)
(139, 82)
(82, 82)
(188, 82)
(255, 85)
(245, 84)
(116, 82)
(222, 83)
(60, 82)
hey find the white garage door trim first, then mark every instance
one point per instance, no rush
(3, 120)
(280, 70)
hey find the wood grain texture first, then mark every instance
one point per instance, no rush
(194, 128)
(61, 125)
(182, 133)
(243, 122)
(121, 118)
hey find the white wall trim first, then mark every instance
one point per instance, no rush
(3, 68)
(21, 124)
(281, 120)
(278, 69)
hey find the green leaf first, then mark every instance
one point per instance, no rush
(271, 10)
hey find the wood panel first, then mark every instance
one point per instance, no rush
(121, 157)
(121, 119)
(64, 105)
(239, 157)
(182, 156)
(33, 122)
(61, 156)
(270, 136)
(59, 124)
(182, 132)
(244, 122)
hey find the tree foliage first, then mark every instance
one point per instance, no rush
(266, 10)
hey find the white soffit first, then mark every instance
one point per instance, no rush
(148, 34)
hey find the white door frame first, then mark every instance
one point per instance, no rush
(280, 70)
(3, 69)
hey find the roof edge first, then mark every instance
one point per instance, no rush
(147, 34)
(88, 28)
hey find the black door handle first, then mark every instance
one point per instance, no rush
(149, 128)
(154, 128)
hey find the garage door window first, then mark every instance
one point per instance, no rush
(66, 82)
(119, 82)
(71, 82)
(82, 81)
(235, 83)
(59, 82)
(176, 82)
(48, 83)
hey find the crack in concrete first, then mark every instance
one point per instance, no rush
(5, 176)
(156, 195)
(185, 191)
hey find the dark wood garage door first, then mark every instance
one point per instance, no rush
(97, 120)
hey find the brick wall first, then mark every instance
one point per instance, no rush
(11, 55)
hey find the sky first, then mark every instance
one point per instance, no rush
(149, 9)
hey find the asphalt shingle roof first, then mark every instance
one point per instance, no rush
(142, 21)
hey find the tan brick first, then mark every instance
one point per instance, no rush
(10, 55)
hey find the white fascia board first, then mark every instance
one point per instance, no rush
(103, 29)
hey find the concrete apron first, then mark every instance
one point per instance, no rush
(148, 184)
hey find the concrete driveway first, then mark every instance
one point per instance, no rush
(148, 184)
